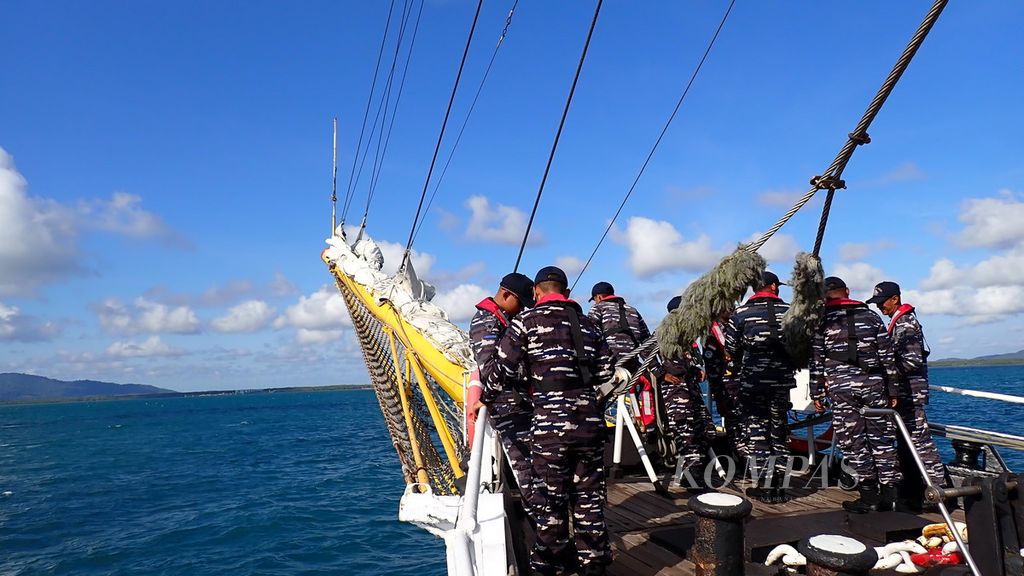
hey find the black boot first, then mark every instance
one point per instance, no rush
(886, 498)
(868, 501)
(760, 494)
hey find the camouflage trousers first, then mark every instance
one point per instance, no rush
(764, 425)
(689, 421)
(513, 428)
(916, 422)
(868, 443)
(568, 482)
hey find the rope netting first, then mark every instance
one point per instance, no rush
(415, 429)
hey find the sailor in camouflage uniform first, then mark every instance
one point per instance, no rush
(753, 338)
(688, 417)
(622, 325)
(565, 358)
(722, 384)
(509, 409)
(852, 362)
(912, 365)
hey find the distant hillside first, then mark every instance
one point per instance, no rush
(16, 387)
(1008, 359)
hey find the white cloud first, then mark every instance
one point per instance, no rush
(151, 346)
(778, 249)
(249, 316)
(992, 222)
(146, 317)
(422, 262)
(281, 286)
(571, 265)
(976, 304)
(15, 326)
(460, 302)
(852, 251)
(39, 238)
(306, 336)
(656, 246)
(782, 198)
(860, 277)
(500, 223)
(944, 274)
(322, 310)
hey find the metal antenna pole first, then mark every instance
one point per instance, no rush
(334, 181)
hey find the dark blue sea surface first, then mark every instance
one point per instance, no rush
(276, 484)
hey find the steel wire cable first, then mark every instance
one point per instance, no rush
(465, 122)
(558, 134)
(440, 136)
(657, 142)
(366, 113)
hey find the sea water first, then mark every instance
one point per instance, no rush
(270, 484)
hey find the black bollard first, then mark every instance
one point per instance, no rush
(718, 547)
(831, 555)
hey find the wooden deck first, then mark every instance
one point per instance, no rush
(652, 533)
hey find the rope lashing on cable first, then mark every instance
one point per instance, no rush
(678, 326)
(558, 134)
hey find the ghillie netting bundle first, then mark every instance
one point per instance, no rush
(804, 314)
(705, 298)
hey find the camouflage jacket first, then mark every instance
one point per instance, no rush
(911, 354)
(687, 368)
(621, 324)
(857, 358)
(753, 337)
(540, 342)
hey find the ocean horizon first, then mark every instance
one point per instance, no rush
(291, 482)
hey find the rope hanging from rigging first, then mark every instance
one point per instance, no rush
(558, 135)
(693, 318)
(440, 136)
(657, 142)
(366, 114)
(465, 122)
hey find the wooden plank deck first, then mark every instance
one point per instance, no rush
(651, 533)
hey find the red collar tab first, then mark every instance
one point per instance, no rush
(552, 297)
(844, 302)
(611, 297)
(759, 295)
(903, 309)
(489, 305)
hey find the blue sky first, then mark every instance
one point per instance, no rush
(165, 167)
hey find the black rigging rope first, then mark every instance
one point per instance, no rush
(465, 122)
(366, 113)
(379, 163)
(380, 121)
(657, 142)
(558, 134)
(440, 136)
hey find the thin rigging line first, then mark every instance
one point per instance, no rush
(558, 134)
(657, 142)
(451, 154)
(366, 113)
(440, 136)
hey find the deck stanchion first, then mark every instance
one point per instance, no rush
(718, 547)
(831, 555)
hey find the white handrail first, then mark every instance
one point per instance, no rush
(461, 539)
(978, 394)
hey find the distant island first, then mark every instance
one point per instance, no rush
(1009, 359)
(29, 388)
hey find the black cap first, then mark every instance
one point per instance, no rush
(884, 291)
(769, 278)
(551, 274)
(674, 303)
(521, 286)
(602, 289)
(834, 283)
